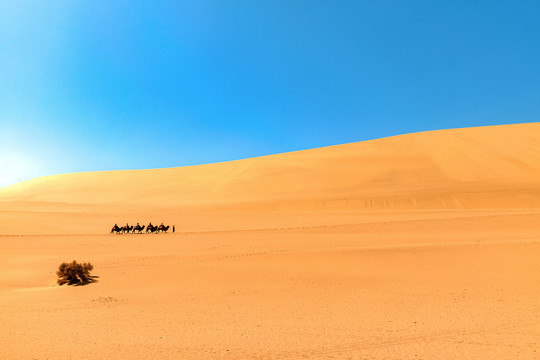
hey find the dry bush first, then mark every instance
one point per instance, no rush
(74, 273)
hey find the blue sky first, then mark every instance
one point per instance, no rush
(103, 85)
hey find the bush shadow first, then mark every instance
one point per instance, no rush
(91, 279)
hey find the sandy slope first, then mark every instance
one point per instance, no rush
(417, 246)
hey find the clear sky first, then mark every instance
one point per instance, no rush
(103, 85)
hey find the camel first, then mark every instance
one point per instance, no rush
(138, 228)
(116, 229)
(163, 228)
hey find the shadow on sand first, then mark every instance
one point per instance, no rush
(91, 279)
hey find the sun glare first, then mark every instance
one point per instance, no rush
(15, 168)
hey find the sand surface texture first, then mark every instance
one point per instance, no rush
(420, 246)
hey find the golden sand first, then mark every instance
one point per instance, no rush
(419, 246)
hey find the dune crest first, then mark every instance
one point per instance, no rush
(458, 168)
(494, 167)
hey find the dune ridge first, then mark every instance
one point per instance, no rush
(485, 167)
(495, 167)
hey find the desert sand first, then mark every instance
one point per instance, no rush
(418, 246)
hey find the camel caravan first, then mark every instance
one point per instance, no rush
(139, 229)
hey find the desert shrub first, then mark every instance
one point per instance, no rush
(74, 273)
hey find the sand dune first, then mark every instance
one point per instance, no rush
(416, 246)
(475, 168)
